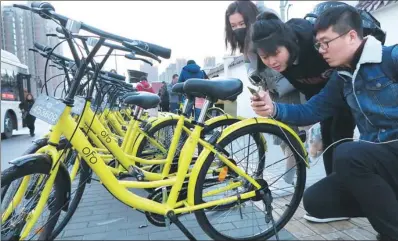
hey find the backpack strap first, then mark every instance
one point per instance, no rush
(388, 66)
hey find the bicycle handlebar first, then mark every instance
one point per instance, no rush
(41, 47)
(115, 76)
(45, 10)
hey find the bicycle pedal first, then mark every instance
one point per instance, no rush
(136, 173)
(122, 176)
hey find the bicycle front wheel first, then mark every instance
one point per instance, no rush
(28, 180)
(249, 219)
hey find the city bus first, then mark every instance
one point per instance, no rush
(15, 82)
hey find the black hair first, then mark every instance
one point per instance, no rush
(191, 61)
(342, 19)
(143, 78)
(175, 75)
(268, 33)
(249, 11)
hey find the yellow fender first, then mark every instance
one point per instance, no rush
(227, 131)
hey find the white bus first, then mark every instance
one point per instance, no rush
(15, 79)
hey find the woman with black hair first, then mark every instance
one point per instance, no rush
(239, 18)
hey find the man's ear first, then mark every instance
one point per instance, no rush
(353, 35)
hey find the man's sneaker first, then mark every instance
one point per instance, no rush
(323, 220)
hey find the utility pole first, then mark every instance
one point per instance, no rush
(282, 6)
(115, 60)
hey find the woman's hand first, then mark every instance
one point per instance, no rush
(262, 104)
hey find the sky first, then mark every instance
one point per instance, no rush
(191, 29)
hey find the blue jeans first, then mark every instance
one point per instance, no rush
(174, 107)
(197, 113)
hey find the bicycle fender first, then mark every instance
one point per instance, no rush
(220, 118)
(251, 121)
(39, 143)
(46, 159)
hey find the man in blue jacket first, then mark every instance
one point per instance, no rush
(364, 182)
(191, 70)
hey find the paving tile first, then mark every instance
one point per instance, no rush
(319, 228)
(342, 225)
(360, 234)
(298, 229)
(337, 236)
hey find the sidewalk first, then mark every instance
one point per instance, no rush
(101, 217)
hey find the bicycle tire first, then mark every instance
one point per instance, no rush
(83, 177)
(298, 193)
(31, 168)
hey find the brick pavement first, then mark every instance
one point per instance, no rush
(101, 217)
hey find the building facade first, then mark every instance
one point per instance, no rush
(19, 30)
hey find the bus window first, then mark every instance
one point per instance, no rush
(9, 85)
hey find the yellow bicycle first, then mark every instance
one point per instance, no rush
(192, 189)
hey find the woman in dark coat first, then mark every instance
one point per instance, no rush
(25, 106)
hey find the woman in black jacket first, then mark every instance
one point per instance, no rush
(25, 106)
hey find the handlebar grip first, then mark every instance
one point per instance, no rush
(43, 6)
(115, 76)
(42, 47)
(24, 7)
(155, 49)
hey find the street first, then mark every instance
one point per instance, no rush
(19, 142)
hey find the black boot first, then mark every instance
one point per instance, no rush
(381, 237)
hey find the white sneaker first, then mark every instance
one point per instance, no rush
(323, 220)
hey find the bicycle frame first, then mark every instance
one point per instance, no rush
(66, 126)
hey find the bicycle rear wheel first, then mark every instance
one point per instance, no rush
(236, 226)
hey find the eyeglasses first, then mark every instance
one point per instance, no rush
(325, 45)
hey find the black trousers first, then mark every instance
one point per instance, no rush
(338, 127)
(30, 122)
(164, 106)
(364, 183)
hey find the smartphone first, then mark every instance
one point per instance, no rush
(253, 91)
(255, 79)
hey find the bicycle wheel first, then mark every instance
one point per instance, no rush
(236, 226)
(78, 184)
(11, 229)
